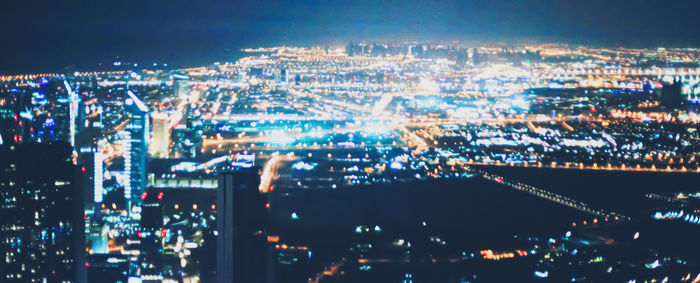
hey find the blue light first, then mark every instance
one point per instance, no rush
(226, 128)
(39, 95)
(542, 274)
(49, 122)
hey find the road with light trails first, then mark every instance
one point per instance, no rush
(269, 173)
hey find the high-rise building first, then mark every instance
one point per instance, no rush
(671, 96)
(148, 241)
(74, 102)
(350, 49)
(42, 229)
(161, 136)
(137, 147)
(241, 218)
(281, 76)
(180, 86)
(7, 123)
(98, 173)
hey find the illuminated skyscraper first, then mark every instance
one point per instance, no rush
(136, 147)
(98, 173)
(161, 135)
(41, 214)
(73, 111)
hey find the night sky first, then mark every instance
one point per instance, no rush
(43, 35)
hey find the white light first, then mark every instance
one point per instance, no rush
(127, 163)
(98, 174)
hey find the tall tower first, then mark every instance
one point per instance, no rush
(241, 240)
(136, 137)
(72, 111)
(98, 174)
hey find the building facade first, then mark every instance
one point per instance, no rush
(42, 235)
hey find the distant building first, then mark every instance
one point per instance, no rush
(671, 96)
(350, 49)
(180, 87)
(241, 216)
(281, 76)
(160, 146)
(255, 72)
(41, 214)
(15, 117)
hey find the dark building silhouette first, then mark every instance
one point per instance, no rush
(41, 214)
(671, 96)
(241, 216)
(350, 49)
(107, 268)
(151, 211)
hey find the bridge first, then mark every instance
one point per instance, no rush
(557, 198)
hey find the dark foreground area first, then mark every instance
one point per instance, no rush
(444, 230)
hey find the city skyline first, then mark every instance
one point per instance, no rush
(51, 36)
(365, 141)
